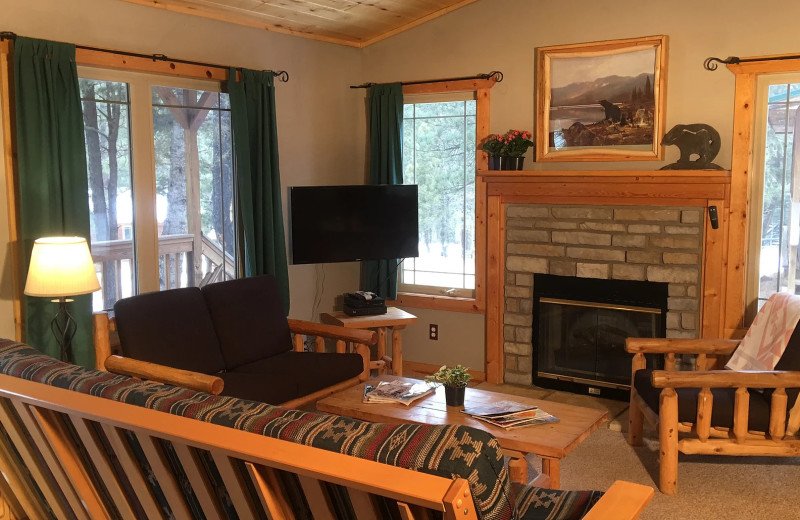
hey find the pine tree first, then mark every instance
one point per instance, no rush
(648, 89)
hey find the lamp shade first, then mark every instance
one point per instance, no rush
(61, 266)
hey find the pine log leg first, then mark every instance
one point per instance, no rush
(552, 468)
(397, 350)
(635, 414)
(382, 349)
(668, 441)
(518, 469)
(635, 420)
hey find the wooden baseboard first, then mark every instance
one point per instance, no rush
(427, 368)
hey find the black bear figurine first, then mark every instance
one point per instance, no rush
(697, 139)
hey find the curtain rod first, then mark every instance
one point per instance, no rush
(710, 64)
(280, 75)
(496, 74)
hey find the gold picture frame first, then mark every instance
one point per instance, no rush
(601, 101)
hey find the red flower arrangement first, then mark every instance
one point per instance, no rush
(517, 142)
(513, 143)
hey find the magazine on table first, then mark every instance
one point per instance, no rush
(509, 414)
(397, 392)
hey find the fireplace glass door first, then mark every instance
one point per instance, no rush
(585, 341)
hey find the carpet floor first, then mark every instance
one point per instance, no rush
(709, 487)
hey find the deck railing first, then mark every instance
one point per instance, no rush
(177, 266)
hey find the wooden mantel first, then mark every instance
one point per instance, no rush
(702, 188)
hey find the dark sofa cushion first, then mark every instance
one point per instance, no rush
(272, 388)
(312, 370)
(248, 318)
(170, 328)
(722, 410)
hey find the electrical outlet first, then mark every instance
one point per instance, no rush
(433, 331)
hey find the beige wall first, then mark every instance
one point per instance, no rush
(321, 121)
(503, 35)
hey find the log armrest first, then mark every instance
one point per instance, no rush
(164, 374)
(366, 337)
(623, 500)
(725, 379)
(680, 346)
(359, 338)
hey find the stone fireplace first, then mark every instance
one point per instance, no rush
(612, 242)
(603, 224)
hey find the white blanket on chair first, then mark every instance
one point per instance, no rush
(763, 346)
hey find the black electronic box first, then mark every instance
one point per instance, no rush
(363, 303)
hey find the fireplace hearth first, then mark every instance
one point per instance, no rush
(580, 326)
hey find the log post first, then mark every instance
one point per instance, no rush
(635, 417)
(668, 441)
(705, 403)
(741, 410)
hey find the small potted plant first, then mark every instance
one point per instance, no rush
(495, 147)
(516, 143)
(454, 381)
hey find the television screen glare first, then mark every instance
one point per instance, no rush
(349, 223)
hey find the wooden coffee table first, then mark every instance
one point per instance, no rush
(552, 441)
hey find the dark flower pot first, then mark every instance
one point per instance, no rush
(511, 163)
(494, 162)
(454, 395)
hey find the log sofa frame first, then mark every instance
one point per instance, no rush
(700, 437)
(108, 358)
(53, 435)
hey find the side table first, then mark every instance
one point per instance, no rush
(395, 320)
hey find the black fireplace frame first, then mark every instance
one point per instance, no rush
(632, 293)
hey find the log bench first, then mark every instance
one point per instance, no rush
(230, 338)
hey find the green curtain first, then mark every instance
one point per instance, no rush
(53, 186)
(255, 143)
(385, 167)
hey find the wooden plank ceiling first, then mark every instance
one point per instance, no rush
(356, 23)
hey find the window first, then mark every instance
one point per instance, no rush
(439, 136)
(776, 154)
(160, 182)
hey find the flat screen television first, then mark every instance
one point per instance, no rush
(348, 223)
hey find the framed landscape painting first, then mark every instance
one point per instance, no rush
(601, 101)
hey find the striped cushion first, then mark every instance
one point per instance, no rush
(534, 503)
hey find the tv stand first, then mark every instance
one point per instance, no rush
(395, 320)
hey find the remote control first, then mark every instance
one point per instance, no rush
(712, 215)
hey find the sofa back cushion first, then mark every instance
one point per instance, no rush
(249, 319)
(170, 328)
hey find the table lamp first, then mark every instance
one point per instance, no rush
(61, 267)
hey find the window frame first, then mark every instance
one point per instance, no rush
(143, 171)
(433, 290)
(760, 121)
(477, 303)
(730, 317)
